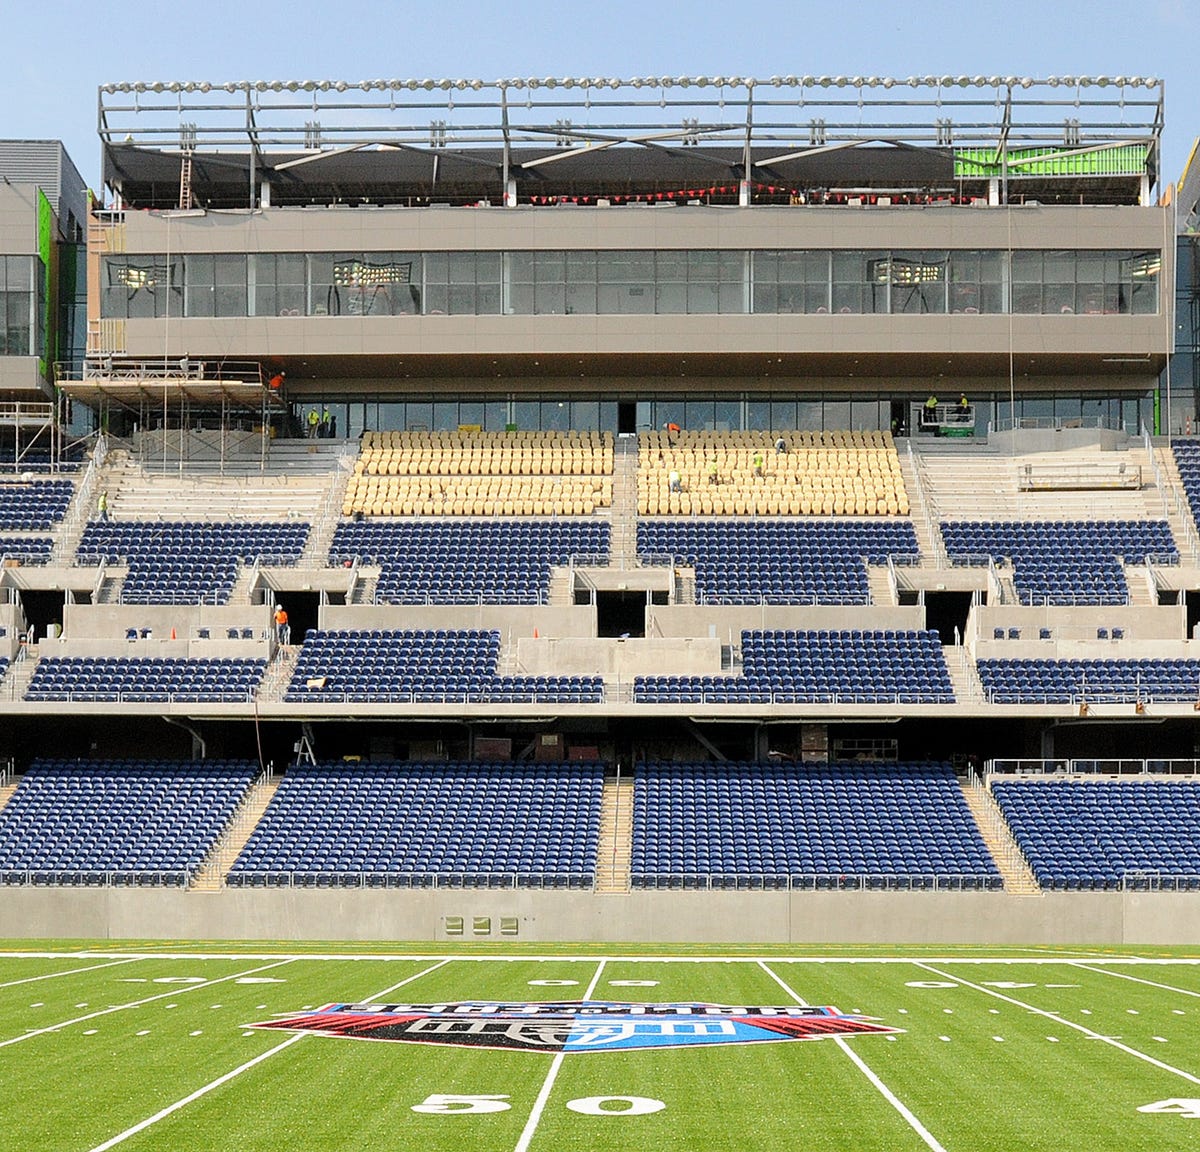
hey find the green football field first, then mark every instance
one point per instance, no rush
(147, 1047)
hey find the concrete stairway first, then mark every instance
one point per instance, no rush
(1178, 510)
(278, 675)
(6, 793)
(616, 835)
(624, 505)
(17, 678)
(968, 689)
(923, 517)
(211, 876)
(881, 589)
(1018, 878)
(560, 591)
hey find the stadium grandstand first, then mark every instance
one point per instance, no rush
(667, 508)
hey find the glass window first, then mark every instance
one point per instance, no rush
(860, 282)
(581, 283)
(495, 415)
(229, 273)
(837, 413)
(527, 415)
(918, 282)
(556, 415)
(418, 416)
(727, 415)
(698, 414)
(585, 415)
(758, 414)
(869, 415)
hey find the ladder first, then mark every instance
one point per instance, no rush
(185, 181)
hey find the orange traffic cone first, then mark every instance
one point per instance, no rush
(172, 633)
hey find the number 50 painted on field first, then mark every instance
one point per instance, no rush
(443, 1104)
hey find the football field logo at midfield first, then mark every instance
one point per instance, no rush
(577, 1025)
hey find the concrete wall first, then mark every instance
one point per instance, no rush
(18, 220)
(651, 917)
(653, 656)
(1150, 633)
(510, 621)
(728, 623)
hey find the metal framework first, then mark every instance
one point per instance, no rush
(1004, 126)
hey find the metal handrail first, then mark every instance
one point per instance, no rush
(808, 881)
(353, 878)
(1092, 767)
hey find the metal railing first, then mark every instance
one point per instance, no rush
(818, 881)
(44, 695)
(349, 878)
(928, 513)
(91, 878)
(1102, 767)
(1051, 422)
(1142, 881)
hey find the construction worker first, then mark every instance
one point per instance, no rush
(276, 381)
(314, 423)
(283, 630)
(326, 422)
(102, 505)
(674, 483)
(714, 473)
(757, 461)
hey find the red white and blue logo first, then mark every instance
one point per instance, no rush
(577, 1025)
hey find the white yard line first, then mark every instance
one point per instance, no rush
(539, 1105)
(930, 1140)
(181, 990)
(209, 1087)
(644, 958)
(1058, 1018)
(1135, 979)
(68, 972)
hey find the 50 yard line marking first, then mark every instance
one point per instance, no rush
(138, 1003)
(890, 1096)
(539, 1105)
(1060, 1019)
(142, 1125)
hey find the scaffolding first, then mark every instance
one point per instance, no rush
(176, 415)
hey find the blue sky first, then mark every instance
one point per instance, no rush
(53, 58)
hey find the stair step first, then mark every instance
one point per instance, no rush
(1018, 877)
(616, 835)
(211, 875)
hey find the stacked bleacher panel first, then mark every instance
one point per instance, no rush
(827, 826)
(1092, 681)
(1062, 562)
(33, 505)
(131, 823)
(136, 680)
(467, 562)
(778, 561)
(425, 825)
(1105, 834)
(187, 562)
(444, 666)
(818, 667)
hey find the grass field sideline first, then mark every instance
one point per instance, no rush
(144, 1045)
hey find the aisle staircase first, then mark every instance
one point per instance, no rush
(624, 505)
(212, 873)
(1019, 879)
(616, 835)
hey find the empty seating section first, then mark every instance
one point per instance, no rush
(1101, 834)
(1062, 561)
(1094, 681)
(189, 562)
(134, 680)
(420, 825)
(786, 667)
(33, 505)
(780, 561)
(817, 474)
(820, 826)
(81, 822)
(467, 562)
(481, 474)
(1187, 460)
(424, 667)
(26, 549)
